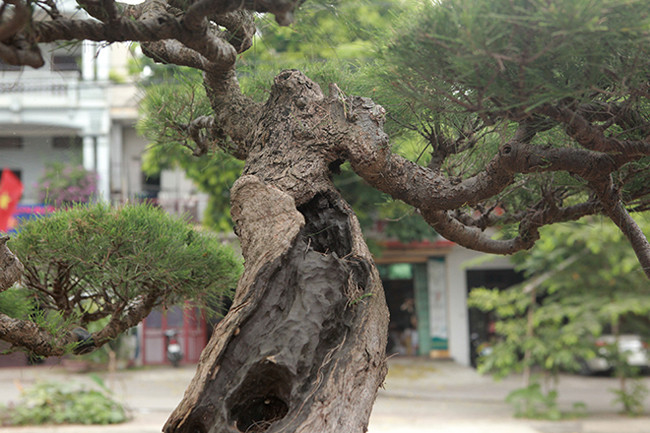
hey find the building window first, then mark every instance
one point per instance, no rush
(66, 62)
(67, 142)
(10, 142)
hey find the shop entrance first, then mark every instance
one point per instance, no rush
(398, 283)
(191, 327)
(481, 324)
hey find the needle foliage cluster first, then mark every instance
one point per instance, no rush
(332, 42)
(96, 263)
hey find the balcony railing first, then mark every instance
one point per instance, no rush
(62, 88)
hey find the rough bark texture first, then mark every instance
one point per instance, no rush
(27, 334)
(307, 326)
(303, 347)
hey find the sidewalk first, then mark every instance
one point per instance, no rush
(423, 396)
(419, 396)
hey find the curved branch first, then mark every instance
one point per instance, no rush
(170, 51)
(153, 20)
(621, 114)
(235, 114)
(195, 129)
(21, 53)
(559, 214)
(241, 28)
(614, 209)
(129, 317)
(371, 158)
(26, 334)
(158, 26)
(529, 158)
(206, 134)
(471, 237)
(163, 26)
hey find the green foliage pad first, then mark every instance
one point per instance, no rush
(94, 263)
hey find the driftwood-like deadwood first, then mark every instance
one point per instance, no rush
(302, 348)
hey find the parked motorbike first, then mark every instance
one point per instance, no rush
(174, 351)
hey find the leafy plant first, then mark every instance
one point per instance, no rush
(631, 392)
(532, 402)
(64, 184)
(550, 322)
(63, 403)
(631, 396)
(16, 302)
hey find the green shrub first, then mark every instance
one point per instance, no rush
(532, 402)
(631, 397)
(62, 403)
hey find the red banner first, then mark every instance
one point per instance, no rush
(11, 188)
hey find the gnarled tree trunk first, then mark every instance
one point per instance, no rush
(303, 346)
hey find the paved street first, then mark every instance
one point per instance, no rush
(419, 396)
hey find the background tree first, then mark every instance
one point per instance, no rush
(583, 281)
(534, 111)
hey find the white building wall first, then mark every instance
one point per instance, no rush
(116, 157)
(43, 103)
(38, 104)
(103, 167)
(458, 261)
(134, 147)
(438, 301)
(31, 159)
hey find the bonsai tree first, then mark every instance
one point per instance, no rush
(532, 113)
(108, 267)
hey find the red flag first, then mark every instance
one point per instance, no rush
(11, 188)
